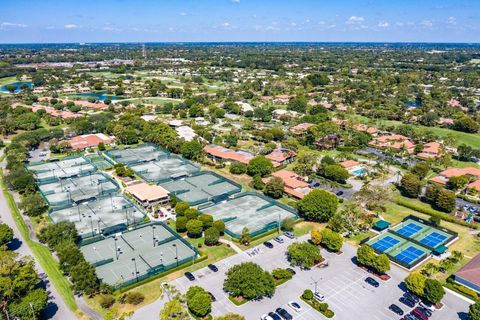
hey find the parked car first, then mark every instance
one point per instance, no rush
(265, 317)
(212, 296)
(411, 296)
(319, 297)
(295, 306)
(372, 282)
(278, 239)
(419, 315)
(291, 271)
(425, 311)
(407, 302)
(284, 314)
(274, 316)
(289, 234)
(396, 309)
(212, 267)
(189, 276)
(427, 305)
(409, 317)
(268, 244)
(339, 193)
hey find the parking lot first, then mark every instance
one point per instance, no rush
(342, 283)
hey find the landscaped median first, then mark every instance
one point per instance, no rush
(41, 252)
(321, 307)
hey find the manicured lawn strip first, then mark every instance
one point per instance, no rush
(238, 301)
(41, 252)
(309, 302)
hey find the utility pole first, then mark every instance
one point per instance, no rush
(315, 282)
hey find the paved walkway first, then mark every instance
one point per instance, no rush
(232, 245)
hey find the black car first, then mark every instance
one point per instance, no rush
(411, 296)
(407, 302)
(339, 193)
(284, 314)
(372, 282)
(212, 267)
(189, 276)
(291, 271)
(212, 296)
(268, 244)
(396, 309)
(274, 316)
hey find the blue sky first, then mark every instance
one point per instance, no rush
(28, 21)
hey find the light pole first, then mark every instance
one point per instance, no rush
(91, 224)
(176, 252)
(153, 235)
(135, 264)
(98, 222)
(116, 250)
(315, 282)
(279, 223)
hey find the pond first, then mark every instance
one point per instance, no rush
(100, 95)
(18, 86)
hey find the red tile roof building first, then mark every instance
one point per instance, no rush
(301, 128)
(88, 141)
(431, 150)
(281, 156)
(295, 185)
(395, 141)
(469, 274)
(445, 175)
(221, 153)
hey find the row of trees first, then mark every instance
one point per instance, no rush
(428, 289)
(367, 257)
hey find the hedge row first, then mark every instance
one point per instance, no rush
(434, 213)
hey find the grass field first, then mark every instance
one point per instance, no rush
(7, 80)
(42, 253)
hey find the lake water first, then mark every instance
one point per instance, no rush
(18, 84)
(100, 96)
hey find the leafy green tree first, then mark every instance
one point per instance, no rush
(274, 188)
(259, 166)
(174, 310)
(220, 226)
(288, 224)
(207, 220)
(298, 104)
(250, 281)
(474, 311)
(245, 238)
(192, 150)
(381, 263)
(84, 278)
(335, 173)
(194, 228)
(421, 169)
(238, 168)
(446, 200)
(180, 208)
(433, 291)
(456, 183)
(318, 79)
(192, 213)
(415, 283)
(54, 233)
(410, 185)
(303, 254)
(30, 306)
(257, 183)
(212, 235)
(316, 236)
(181, 224)
(431, 192)
(435, 220)
(318, 205)
(199, 301)
(365, 255)
(465, 124)
(6, 234)
(331, 240)
(33, 204)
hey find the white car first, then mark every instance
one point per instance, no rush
(266, 317)
(318, 296)
(295, 306)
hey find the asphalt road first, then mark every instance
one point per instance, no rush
(56, 309)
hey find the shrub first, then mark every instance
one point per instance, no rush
(238, 168)
(134, 298)
(180, 208)
(307, 294)
(220, 226)
(280, 274)
(191, 213)
(259, 166)
(211, 236)
(207, 221)
(288, 224)
(106, 301)
(194, 228)
(181, 224)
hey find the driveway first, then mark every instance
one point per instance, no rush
(341, 282)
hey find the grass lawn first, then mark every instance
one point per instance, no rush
(7, 80)
(42, 253)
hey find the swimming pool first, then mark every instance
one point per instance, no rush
(359, 172)
(18, 86)
(100, 96)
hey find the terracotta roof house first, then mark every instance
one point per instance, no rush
(349, 164)
(300, 128)
(329, 141)
(295, 185)
(445, 175)
(469, 274)
(148, 195)
(431, 150)
(281, 156)
(89, 140)
(365, 128)
(219, 153)
(395, 141)
(282, 99)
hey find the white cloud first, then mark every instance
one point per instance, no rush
(71, 26)
(452, 20)
(11, 25)
(107, 28)
(383, 24)
(226, 24)
(427, 23)
(236, 1)
(355, 20)
(183, 13)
